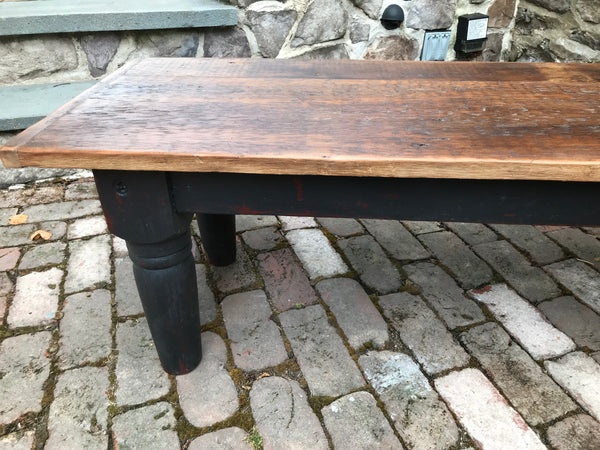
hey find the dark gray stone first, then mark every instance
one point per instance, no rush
(392, 236)
(226, 43)
(444, 295)
(469, 270)
(531, 240)
(393, 47)
(559, 6)
(325, 20)
(582, 245)
(42, 255)
(321, 354)
(341, 227)
(535, 396)
(99, 49)
(263, 238)
(371, 263)
(271, 24)
(580, 279)
(419, 328)
(472, 233)
(431, 14)
(578, 321)
(529, 281)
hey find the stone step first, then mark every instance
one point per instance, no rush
(23, 106)
(68, 16)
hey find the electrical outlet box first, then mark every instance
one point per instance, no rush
(435, 45)
(471, 33)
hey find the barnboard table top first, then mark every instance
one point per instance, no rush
(468, 120)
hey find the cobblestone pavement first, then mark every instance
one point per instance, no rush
(326, 333)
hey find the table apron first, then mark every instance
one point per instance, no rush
(451, 200)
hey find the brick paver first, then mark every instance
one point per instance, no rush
(139, 374)
(207, 394)
(580, 375)
(530, 281)
(255, 339)
(36, 298)
(285, 280)
(354, 311)
(233, 438)
(526, 324)
(24, 368)
(355, 421)
(484, 413)
(532, 241)
(88, 264)
(389, 351)
(43, 255)
(578, 432)
(469, 270)
(146, 428)
(373, 266)
(322, 356)
(419, 328)
(316, 253)
(444, 295)
(85, 328)
(582, 280)
(533, 394)
(283, 416)
(419, 415)
(395, 239)
(78, 415)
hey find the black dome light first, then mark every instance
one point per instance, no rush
(392, 17)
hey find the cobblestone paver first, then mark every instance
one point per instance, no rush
(325, 333)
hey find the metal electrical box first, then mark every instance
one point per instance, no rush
(435, 45)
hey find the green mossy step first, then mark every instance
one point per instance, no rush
(68, 16)
(23, 106)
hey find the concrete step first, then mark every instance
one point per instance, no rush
(67, 16)
(23, 106)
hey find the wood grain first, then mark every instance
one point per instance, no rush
(354, 118)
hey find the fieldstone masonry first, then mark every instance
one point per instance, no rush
(380, 341)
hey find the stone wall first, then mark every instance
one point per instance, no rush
(532, 30)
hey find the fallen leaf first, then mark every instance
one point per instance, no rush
(40, 234)
(263, 375)
(18, 219)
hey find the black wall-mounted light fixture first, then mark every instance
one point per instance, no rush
(392, 17)
(471, 33)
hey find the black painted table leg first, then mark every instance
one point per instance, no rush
(138, 208)
(166, 280)
(218, 237)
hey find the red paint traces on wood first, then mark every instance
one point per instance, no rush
(361, 204)
(246, 210)
(483, 290)
(299, 194)
(161, 201)
(510, 215)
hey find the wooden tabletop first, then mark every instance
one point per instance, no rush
(477, 120)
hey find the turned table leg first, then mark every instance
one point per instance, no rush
(138, 208)
(218, 237)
